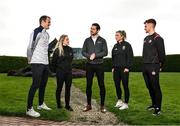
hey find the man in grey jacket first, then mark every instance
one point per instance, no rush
(94, 49)
(37, 54)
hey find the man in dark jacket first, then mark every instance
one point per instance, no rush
(153, 62)
(94, 49)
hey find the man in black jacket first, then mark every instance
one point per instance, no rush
(94, 49)
(153, 62)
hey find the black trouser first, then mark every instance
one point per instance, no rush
(39, 81)
(119, 75)
(61, 78)
(90, 70)
(151, 77)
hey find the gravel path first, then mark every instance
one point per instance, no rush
(94, 116)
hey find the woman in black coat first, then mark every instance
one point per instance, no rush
(122, 59)
(62, 66)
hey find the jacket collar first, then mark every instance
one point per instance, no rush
(120, 43)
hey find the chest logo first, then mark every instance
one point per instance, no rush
(124, 47)
(150, 41)
(115, 49)
(99, 42)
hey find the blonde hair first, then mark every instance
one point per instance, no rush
(59, 45)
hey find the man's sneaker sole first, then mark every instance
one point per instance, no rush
(35, 116)
(123, 108)
(39, 108)
(117, 106)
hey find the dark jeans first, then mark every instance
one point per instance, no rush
(61, 78)
(39, 81)
(90, 70)
(119, 75)
(151, 77)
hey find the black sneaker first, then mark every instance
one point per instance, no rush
(68, 108)
(150, 108)
(157, 112)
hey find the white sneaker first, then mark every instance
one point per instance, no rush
(119, 104)
(124, 106)
(43, 106)
(32, 113)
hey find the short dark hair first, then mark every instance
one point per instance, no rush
(123, 33)
(43, 18)
(153, 21)
(97, 26)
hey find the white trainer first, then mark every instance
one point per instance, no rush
(31, 112)
(43, 106)
(119, 104)
(124, 106)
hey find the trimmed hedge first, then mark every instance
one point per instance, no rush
(172, 64)
(8, 63)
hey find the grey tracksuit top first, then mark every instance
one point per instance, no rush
(37, 51)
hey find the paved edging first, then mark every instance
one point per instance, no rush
(23, 121)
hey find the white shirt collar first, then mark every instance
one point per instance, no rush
(94, 38)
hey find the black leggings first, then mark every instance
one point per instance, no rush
(91, 69)
(119, 75)
(39, 78)
(151, 77)
(61, 78)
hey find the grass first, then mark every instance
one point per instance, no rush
(139, 99)
(13, 98)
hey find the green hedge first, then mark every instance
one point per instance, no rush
(172, 64)
(13, 63)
